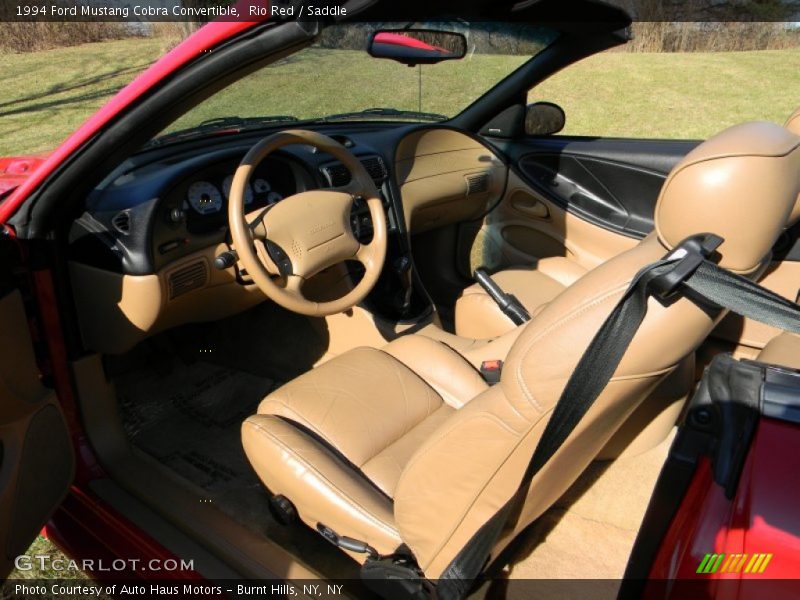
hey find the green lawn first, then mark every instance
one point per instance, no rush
(42, 546)
(689, 96)
(46, 95)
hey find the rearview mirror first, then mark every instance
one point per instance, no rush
(417, 46)
(544, 118)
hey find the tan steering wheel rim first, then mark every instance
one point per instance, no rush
(311, 228)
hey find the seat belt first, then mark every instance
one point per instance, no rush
(685, 272)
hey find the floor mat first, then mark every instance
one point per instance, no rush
(189, 418)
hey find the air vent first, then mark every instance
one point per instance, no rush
(338, 175)
(192, 277)
(122, 222)
(376, 169)
(477, 184)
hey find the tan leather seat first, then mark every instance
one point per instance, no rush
(782, 350)
(407, 445)
(478, 316)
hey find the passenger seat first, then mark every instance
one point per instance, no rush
(478, 317)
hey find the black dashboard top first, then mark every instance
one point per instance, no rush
(165, 203)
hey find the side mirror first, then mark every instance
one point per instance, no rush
(544, 118)
(417, 46)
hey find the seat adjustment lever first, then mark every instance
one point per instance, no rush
(347, 543)
(508, 303)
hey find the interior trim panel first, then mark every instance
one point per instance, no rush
(612, 183)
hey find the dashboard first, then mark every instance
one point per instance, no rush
(157, 209)
(142, 254)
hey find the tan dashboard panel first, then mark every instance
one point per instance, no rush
(117, 311)
(445, 177)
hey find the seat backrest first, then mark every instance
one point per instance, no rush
(793, 125)
(741, 185)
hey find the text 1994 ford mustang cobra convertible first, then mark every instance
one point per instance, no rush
(249, 324)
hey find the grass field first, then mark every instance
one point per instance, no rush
(46, 95)
(42, 546)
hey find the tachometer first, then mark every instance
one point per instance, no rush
(204, 197)
(226, 189)
(274, 197)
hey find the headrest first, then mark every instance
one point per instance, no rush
(793, 122)
(741, 184)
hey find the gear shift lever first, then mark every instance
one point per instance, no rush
(402, 267)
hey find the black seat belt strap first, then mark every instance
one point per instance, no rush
(684, 272)
(744, 297)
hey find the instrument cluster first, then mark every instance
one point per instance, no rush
(206, 198)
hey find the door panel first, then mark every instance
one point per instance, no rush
(589, 199)
(527, 226)
(583, 198)
(613, 183)
(36, 459)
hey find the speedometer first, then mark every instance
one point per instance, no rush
(204, 197)
(226, 189)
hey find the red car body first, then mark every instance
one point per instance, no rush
(761, 517)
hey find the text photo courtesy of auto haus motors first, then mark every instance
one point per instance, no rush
(368, 299)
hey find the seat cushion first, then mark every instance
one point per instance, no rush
(478, 316)
(335, 440)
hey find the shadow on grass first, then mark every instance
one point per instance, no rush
(105, 93)
(69, 87)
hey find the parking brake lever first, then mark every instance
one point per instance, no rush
(508, 303)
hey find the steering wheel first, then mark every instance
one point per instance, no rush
(285, 244)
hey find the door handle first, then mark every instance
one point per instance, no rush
(531, 207)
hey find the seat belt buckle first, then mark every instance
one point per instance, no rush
(689, 254)
(491, 370)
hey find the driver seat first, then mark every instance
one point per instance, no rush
(408, 445)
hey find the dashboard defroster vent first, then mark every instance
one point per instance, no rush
(477, 184)
(122, 222)
(191, 277)
(338, 175)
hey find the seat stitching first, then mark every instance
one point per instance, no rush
(393, 365)
(494, 473)
(355, 505)
(550, 329)
(488, 479)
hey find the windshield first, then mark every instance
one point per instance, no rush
(336, 79)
